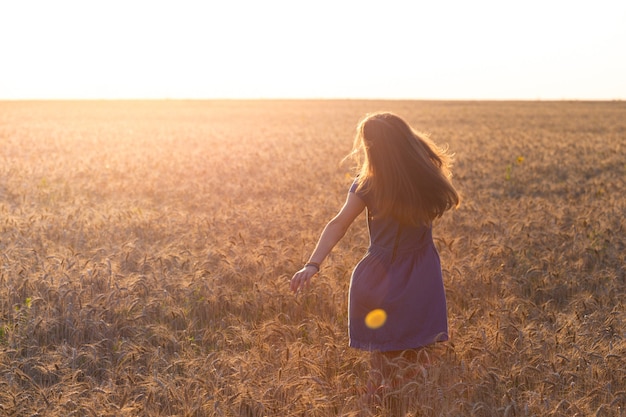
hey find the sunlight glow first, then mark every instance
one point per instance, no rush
(325, 49)
(376, 318)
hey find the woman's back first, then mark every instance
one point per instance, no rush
(389, 234)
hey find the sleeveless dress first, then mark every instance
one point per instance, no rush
(400, 280)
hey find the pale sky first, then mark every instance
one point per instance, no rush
(390, 49)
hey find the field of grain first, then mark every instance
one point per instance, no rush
(146, 250)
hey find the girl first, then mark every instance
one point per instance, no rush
(397, 303)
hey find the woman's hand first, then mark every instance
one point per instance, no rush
(301, 278)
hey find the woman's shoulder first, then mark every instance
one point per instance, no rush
(354, 186)
(358, 185)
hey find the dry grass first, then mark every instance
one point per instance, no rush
(146, 247)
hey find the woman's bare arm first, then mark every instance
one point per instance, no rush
(332, 234)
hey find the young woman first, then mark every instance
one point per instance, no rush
(397, 302)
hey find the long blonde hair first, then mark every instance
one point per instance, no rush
(404, 173)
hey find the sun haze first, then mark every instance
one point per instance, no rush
(326, 49)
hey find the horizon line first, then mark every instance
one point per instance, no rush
(2, 99)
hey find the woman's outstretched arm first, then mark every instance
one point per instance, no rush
(333, 232)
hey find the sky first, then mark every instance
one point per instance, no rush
(385, 49)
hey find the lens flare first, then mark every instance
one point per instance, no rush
(375, 318)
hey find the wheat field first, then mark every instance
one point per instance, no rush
(146, 250)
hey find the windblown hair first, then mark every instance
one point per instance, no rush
(404, 173)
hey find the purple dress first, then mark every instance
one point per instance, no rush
(401, 275)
